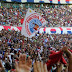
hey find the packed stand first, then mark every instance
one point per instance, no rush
(56, 15)
(13, 44)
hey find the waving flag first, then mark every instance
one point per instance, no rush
(32, 23)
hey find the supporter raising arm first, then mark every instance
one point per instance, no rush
(40, 67)
(69, 56)
(24, 65)
(1, 68)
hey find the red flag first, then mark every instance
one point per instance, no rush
(54, 58)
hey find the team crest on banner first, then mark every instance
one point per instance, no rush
(32, 23)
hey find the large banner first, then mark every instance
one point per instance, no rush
(42, 1)
(9, 28)
(49, 30)
(56, 30)
(32, 23)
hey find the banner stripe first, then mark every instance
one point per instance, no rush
(55, 1)
(23, 1)
(43, 1)
(8, 0)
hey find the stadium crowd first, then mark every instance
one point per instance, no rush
(42, 47)
(44, 52)
(56, 15)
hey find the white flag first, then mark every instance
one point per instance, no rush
(32, 23)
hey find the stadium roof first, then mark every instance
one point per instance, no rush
(42, 1)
